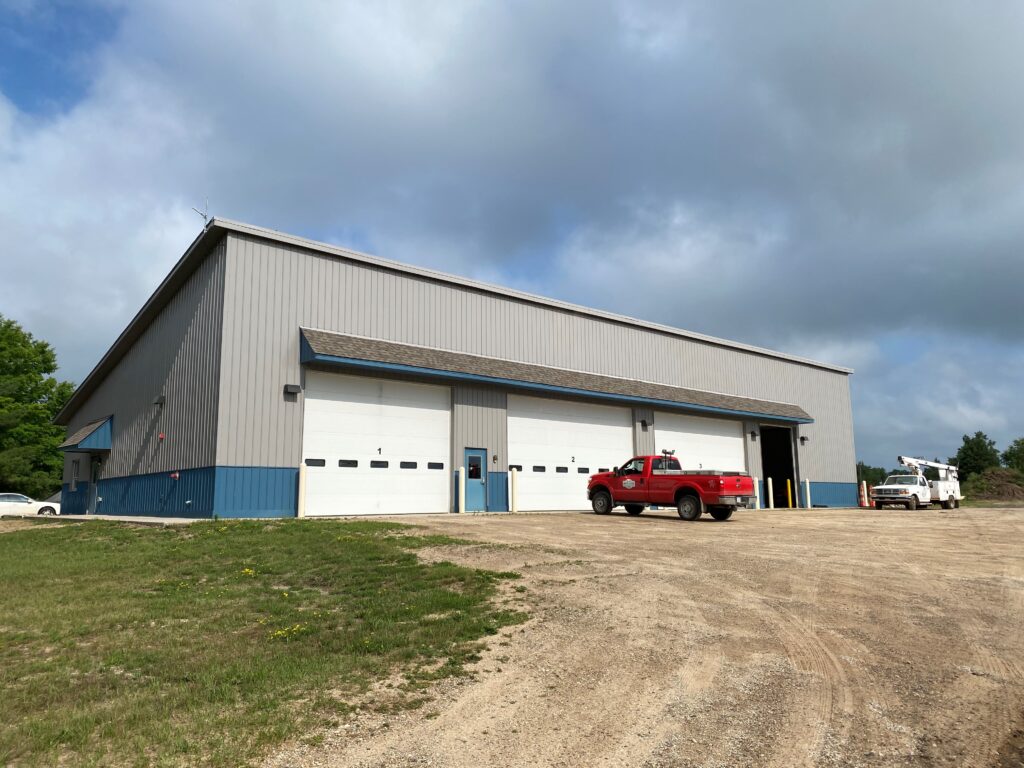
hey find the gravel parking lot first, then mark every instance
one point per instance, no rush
(781, 638)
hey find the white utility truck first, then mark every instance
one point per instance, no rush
(913, 491)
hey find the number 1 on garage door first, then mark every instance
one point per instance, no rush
(476, 480)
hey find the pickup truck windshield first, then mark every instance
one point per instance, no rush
(901, 480)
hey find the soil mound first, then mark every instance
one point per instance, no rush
(996, 484)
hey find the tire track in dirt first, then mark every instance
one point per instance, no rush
(810, 724)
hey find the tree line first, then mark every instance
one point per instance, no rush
(976, 454)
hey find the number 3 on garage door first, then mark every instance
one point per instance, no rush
(476, 480)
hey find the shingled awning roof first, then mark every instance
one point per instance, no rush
(94, 436)
(358, 352)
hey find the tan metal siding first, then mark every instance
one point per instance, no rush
(479, 420)
(271, 290)
(177, 356)
(753, 448)
(643, 439)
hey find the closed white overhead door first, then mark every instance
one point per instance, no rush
(700, 442)
(558, 444)
(375, 446)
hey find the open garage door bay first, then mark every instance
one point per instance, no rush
(700, 442)
(558, 444)
(375, 446)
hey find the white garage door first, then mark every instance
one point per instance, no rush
(375, 446)
(701, 443)
(558, 444)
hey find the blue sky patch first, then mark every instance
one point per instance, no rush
(45, 53)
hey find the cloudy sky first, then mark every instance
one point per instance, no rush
(840, 180)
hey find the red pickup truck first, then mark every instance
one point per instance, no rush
(660, 480)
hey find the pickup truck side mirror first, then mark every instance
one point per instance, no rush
(616, 471)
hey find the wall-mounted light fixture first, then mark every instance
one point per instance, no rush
(292, 389)
(753, 435)
(644, 424)
(159, 400)
(494, 459)
(804, 439)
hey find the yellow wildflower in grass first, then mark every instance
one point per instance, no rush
(287, 633)
(248, 572)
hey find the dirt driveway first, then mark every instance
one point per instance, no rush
(852, 638)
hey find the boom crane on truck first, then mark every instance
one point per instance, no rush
(915, 490)
(946, 471)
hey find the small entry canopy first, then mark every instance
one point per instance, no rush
(94, 436)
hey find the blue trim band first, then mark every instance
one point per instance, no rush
(825, 494)
(308, 356)
(203, 492)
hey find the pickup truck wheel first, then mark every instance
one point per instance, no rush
(878, 505)
(602, 503)
(912, 503)
(688, 507)
(634, 509)
(722, 513)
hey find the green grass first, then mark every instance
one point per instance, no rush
(126, 645)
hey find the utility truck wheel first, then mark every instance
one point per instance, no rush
(602, 503)
(720, 513)
(634, 509)
(948, 503)
(956, 504)
(688, 507)
(912, 503)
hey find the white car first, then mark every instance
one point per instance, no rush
(18, 503)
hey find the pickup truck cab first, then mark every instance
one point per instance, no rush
(644, 481)
(910, 491)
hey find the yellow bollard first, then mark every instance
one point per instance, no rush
(789, 493)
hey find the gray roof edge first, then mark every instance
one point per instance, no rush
(304, 329)
(319, 341)
(433, 274)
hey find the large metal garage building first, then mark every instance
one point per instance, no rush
(261, 351)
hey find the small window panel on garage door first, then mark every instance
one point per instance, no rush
(551, 439)
(701, 443)
(375, 446)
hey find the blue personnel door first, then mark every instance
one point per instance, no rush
(476, 480)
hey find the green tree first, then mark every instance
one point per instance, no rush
(1013, 457)
(977, 454)
(872, 475)
(30, 397)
